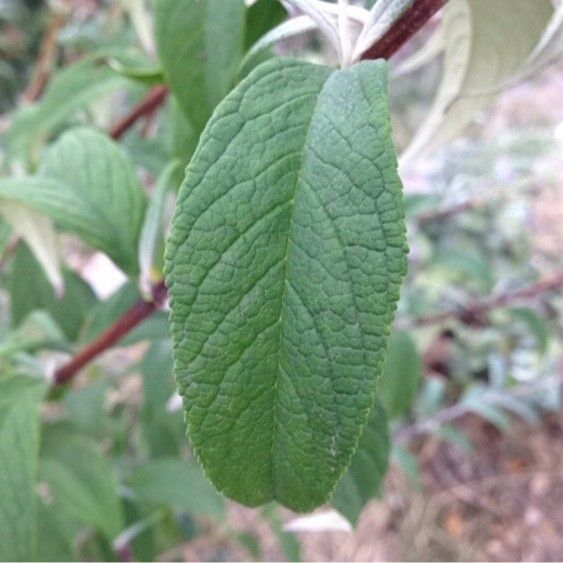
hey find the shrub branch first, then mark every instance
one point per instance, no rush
(407, 26)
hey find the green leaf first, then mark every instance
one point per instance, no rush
(177, 484)
(19, 447)
(30, 290)
(537, 326)
(261, 17)
(284, 265)
(401, 376)
(200, 45)
(88, 187)
(71, 88)
(82, 481)
(467, 264)
(151, 243)
(365, 475)
(408, 463)
(40, 236)
(163, 430)
(485, 45)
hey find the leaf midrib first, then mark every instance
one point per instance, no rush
(298, 182)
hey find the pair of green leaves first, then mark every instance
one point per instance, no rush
(88, 187)
(284, 266)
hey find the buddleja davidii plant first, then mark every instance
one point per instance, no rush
(284, 264)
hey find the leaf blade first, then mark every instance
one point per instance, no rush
(255, 323)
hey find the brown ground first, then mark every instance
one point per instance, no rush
(502, 502)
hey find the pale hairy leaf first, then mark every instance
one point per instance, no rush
(550, 47)
(327, 24)
(39, 234)
(284, 265)
(433, 46)
(486, 43)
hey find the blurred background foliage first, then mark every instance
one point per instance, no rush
(473, 397)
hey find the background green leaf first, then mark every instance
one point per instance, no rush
(30, 290)
(200, 69)
(88, 187)
(171, 482)
(20, 398)
(363, 479)
(81, 480)
(401, 375)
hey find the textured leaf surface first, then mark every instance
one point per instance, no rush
(88, 187)
(363, 479)
(200, 45)
(19, 447)
(486, 44)
(284, 265)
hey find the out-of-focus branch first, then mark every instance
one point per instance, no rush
(448, 212)
(459, 410)
(134, 316)
(146, 106)
(46, 58)
(474, 311)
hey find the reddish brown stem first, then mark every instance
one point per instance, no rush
(46, 58)
(135, 315)
(146, 106)
(405, 27)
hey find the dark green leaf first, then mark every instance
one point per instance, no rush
(365, 475)
(177, 484)
(401, 376)
(284, 265)
(535, 324)
(82, 481)
(162, 429)
(261, 17)
(200, 44)
(30, 290)
(20, 398)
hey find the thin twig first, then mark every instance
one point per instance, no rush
(457, 411)
(46, 58)
(447, 212)
(146, 106)
(134, 316)
(473, 311)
